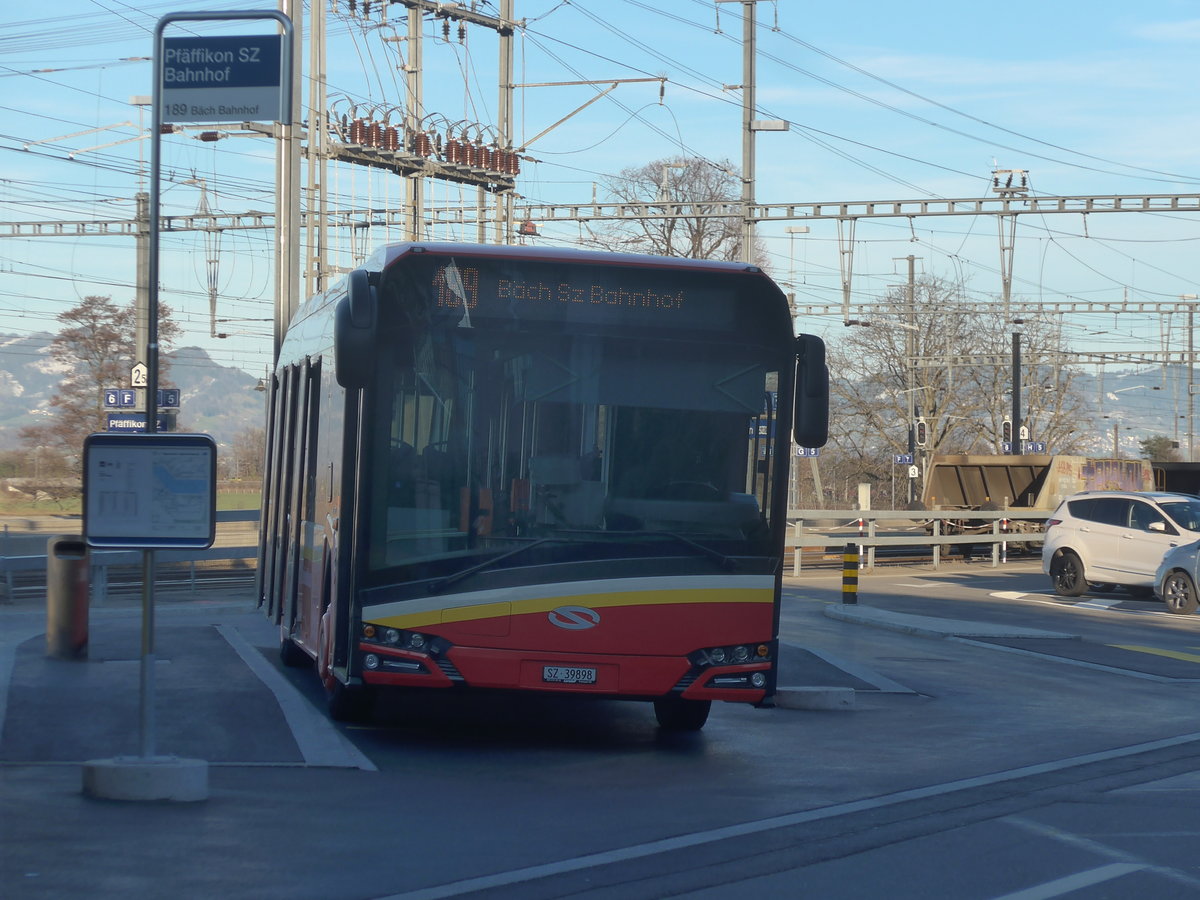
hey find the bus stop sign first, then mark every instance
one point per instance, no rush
(223, 79)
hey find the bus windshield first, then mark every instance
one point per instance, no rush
(580, 442)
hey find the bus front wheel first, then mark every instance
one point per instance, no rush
(291, 655)
(677, 714)
(348, 703)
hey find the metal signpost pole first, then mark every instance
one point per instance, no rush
(234, 84)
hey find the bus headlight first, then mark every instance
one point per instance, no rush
(738, 654)
(404, 640)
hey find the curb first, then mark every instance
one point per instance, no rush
(815, 697)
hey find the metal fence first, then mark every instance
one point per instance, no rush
(233, 556)
(1002, 532)
(934, 533)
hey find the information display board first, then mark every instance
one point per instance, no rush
(149, 490)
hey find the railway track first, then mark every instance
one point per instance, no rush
(124, 581)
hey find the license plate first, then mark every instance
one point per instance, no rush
(569, 674)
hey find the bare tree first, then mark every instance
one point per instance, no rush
(694, 235)
(940, 360)
(96, 349)
(249, 450)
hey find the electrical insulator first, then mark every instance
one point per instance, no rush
(453, 151)
(462, 33)
(374, 135)
(445, 29)
(391, 138)
(358, 129)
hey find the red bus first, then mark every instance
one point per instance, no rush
(516, 468)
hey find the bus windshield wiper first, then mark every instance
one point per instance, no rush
(726, 562)
(436, 587)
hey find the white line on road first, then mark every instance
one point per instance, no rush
(700, 838)
(320, 743)
(1070, 883)
(1091, 846)
(1108, 603)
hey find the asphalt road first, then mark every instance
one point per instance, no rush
(965, 768)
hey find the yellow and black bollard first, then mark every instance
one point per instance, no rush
(850, 574)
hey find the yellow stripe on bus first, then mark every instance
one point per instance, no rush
(489, 610)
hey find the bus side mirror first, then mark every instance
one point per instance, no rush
(354, 321)
(810, 417)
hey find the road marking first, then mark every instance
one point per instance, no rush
(759, 826)
(1120, 857)
(1068, 603)
(1101, 604)
(1158, 651)
(1071, 883)
(320, 743)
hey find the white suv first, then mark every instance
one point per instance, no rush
(1101, 539)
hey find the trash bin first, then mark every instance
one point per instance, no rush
(66, 597)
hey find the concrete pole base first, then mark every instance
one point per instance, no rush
(146, 778)
(815, 697)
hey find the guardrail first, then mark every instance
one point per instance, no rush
(101, 561)
(811, 528)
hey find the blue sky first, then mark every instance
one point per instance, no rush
(887, 102)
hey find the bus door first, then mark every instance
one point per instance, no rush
(267, 503)
(278, 489)
(296, 591)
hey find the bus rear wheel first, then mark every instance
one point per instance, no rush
(677, 714)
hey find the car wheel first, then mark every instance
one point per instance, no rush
(1179, 594)
(1066, 574)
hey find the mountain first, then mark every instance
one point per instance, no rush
(1129, 406)
(215, 399)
